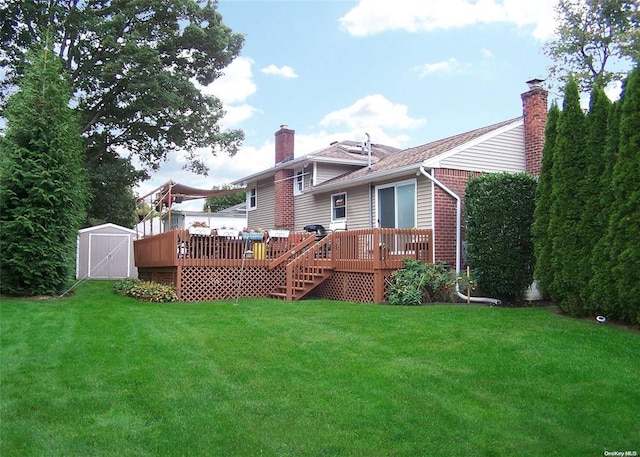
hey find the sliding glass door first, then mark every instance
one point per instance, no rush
(396, 205)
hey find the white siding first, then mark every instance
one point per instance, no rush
(425, 207)
(264, 214)
(312, 209)
(326, 171)
(505, 152)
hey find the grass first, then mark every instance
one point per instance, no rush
(98, 374)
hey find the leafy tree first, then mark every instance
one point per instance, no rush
(499, 210)
(590, 37)
(42, 182)
(112, 179)
(624, 224)
(544, 271)
(224, 201)
(568, 196)
(134, 66)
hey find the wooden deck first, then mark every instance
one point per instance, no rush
(345, 265)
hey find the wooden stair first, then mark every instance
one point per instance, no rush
(306, 272)
(305, 281)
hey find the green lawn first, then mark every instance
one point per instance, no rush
(102, 375)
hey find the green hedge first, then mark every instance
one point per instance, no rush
(498, 218)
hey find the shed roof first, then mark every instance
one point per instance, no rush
(109, 225)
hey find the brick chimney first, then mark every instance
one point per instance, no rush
(284, 216)
(534, 110)
(284, 144)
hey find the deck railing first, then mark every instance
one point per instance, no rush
(349, 250)
(379, 249)
(179, 248)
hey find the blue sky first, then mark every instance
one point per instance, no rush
(405, 71)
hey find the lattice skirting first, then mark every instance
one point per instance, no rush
(348, 286)
(223, 283)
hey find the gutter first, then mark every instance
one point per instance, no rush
(493, 301)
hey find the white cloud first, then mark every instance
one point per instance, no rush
(446, 66)
(369, 17)
(233, 88)
(285, 71)
(236, 84)
(487, 53)
(370, 112)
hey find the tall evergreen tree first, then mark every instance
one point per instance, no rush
(42, 182)
(594, 221)
(542, 238)
(602, 291)
(568, 198)
(624, 224)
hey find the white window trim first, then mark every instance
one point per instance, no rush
(396, 184)
(253, 191)
(298, 178)
(333, 219)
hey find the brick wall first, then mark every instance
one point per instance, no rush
(444, 220)
(284, 217)
(534, 110)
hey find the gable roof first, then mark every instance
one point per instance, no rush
(412, 158)
(342, 153)
(109, 225)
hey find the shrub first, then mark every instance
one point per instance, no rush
(146, 290)
(418, 283)
(498, 218)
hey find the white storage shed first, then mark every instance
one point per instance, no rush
(105, 252)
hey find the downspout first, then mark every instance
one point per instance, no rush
(458, 239)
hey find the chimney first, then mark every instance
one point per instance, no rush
(284, 217)
(284, 144)
(534, 111)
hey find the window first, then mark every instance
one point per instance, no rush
(338, 207)
(396, 205)
(252, 199)
(298, 183)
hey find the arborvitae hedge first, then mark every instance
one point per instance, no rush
(42, 183)
(543, 245)
(594, 221)
(602, 290)
(568, 198)
(594, 258)
(624, 224)
(498, 218)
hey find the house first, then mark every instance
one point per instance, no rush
(422, 186)
(385, 204)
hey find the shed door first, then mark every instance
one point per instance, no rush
(109, 256)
